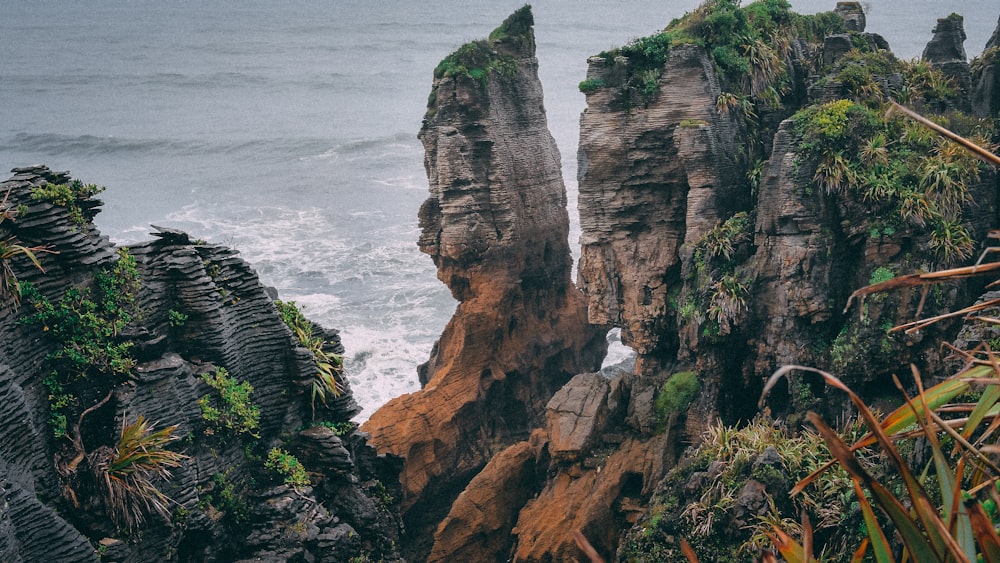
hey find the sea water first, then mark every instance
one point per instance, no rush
(288, 130)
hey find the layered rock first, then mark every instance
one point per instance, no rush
(652, 178)
(946, 51)
(986, 78)
(496, 226)
(226, 506)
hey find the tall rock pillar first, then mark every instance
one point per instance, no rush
(496, 226)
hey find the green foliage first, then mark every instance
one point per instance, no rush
(381, 494)
(67, 195)
(727, 458)
(748, 45)
(935, 514)
(230, 409)
(87, 324)
(127, 472)
(329, 379)
(914, 178)
(722, 240)
(287, 466)
(923, 82)
(692, 123)
(516, 25)
(339, 428)
(676, 395)
(176, 318)
(226, 495)
(863, 73)
(720, 293)
(10, 248)
(881, 274)
(591, 85)
(60, 400)
(477, 60)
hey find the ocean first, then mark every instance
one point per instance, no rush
(288, 131)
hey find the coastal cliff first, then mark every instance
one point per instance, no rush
(187, 310)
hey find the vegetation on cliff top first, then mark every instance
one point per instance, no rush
(748, 46)
(478, 59)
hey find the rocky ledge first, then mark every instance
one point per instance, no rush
(194, 309)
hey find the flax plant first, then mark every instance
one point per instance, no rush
(126, 473)
(10, 247)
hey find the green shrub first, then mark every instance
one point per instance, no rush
(67, 195)
(226, 495)
(127, 472)
(591, 85)
(329, 379)
(516, 25)
(86, 324)
(287, 466)
(676, 394)
(881, 274)
(230, 409)
(176, 318)
(476, 60)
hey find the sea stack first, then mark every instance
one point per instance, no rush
(496, 226)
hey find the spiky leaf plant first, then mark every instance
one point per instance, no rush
(10, 247)
(329, 379)
(126, 473)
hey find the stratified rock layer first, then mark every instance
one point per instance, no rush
(986, 78)
(653, 177)
(231, 322)
(946, 51)
(496, 226)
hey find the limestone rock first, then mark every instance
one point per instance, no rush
(591, 501)
(946, 51)
(478, 525)
(652, 178)
(496, 226)
(853, 14)
(231, 322)
(986, 78)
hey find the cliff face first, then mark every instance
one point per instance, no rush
(652, 179)
(496, 226)
(200, 307)
(985, 77)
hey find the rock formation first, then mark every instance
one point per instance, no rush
(496, 226)
(201, 308)
(652, 178)
(711, 235)
(986, 78)
(946, 51)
